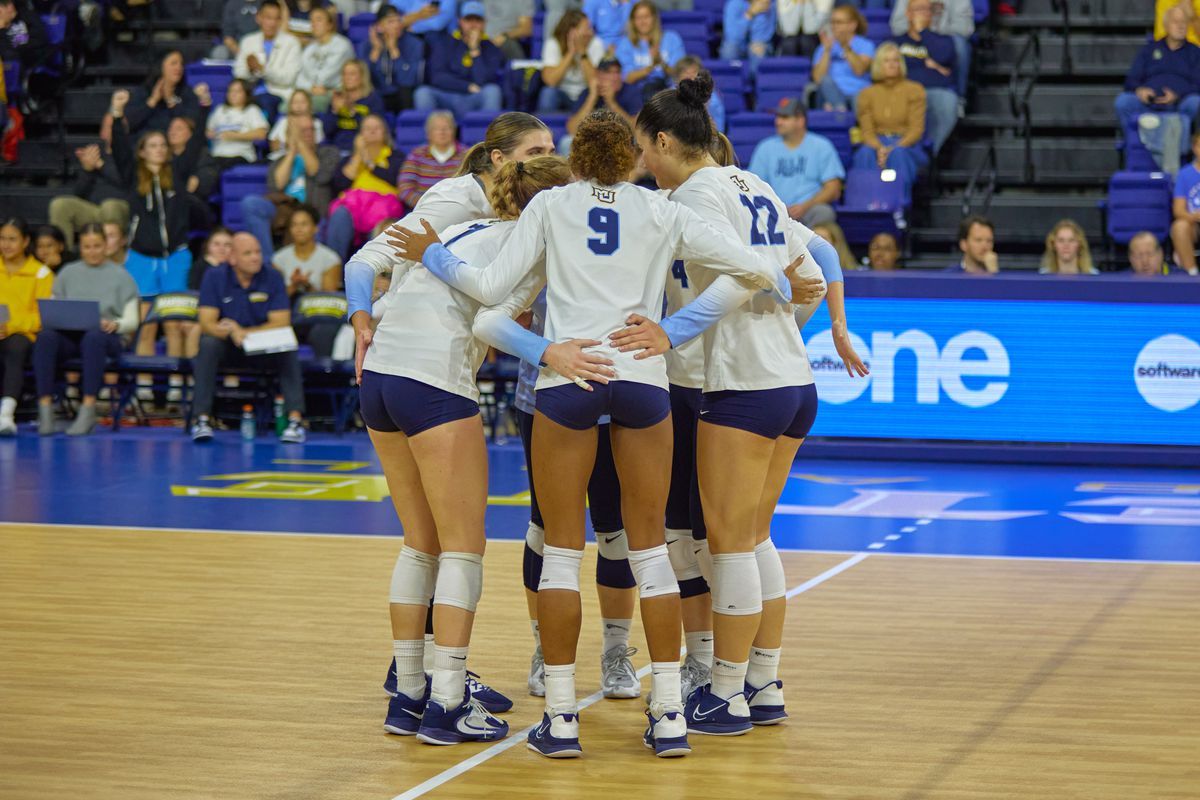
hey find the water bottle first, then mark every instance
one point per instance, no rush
(500, 433)
(281, 420)
(248, 426)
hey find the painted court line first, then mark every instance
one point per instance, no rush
(515, 739)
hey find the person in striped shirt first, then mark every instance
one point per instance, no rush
(429, 163)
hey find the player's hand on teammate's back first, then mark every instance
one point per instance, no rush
(642, 334)
(409, 245)
(571, 360)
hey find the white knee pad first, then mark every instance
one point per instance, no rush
(703, 559)
(459, 580)
(770, 571)
(652, 569)
(535, 538)
(613, 546)
(736, 588)
(560, 568)
(681, 547)
(413, 577)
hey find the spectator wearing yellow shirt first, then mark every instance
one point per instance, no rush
(1190, 7)
(23, 281)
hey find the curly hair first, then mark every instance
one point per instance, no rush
(603, 149)
(516, 183)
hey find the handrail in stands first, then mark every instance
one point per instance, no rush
(1068, 63)
(988, 167)
(1018, 99)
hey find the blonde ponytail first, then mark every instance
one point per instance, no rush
(516, 183)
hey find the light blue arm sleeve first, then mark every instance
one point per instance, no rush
(360, 285)
(724, 295)
(827, 259)
(506, 334)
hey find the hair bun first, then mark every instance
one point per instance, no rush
(696, 92)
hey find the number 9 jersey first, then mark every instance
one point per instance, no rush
(758, 345)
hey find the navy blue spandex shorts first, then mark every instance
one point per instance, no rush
(787, 411)
(390, 403)
(629, 404)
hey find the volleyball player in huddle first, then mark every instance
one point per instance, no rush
(578, 229)
(512, 136)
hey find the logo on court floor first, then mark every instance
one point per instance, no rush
(1167, 372)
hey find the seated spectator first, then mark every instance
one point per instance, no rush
(749, 29)
(883, 253)
(93, 277)
(116, 242)
(891, 117)
(609, 18)
(803, 168)
(1191, 12)
(687, 69)
(394, 56)
(463, 70)
(300, 105)
(426, 18)
(306, 264)
(303, 174)
(49, 245)
(1165, 76)
(568, 59)
(193, 168)
(99, 196)
(930, 61)
(843, 59)
(1146, 257)
(604, 91)
(269, 58)
(234, 127)
(509, 21)
(214, 253)
(431, 162)
(953, 18)
(236, 300)
(237, 20)
(1185, 207)
(1067, 251)
(350, 105)
(367, 180)
(323, 59)
(164, 96)
(647, 54)
(977, 241)
(23, 281)
(799, 23)
(23, 37)
(297, 15)
(833, 233)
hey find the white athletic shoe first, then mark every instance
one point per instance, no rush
(617, 676)
(537, 674)
(694, 673)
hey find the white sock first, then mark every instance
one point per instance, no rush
(560, 689)
(664, 684)
(728, 678)
(410, 676)
(537, 632)
(616, 633)
(449, 676)
(427, 661)
(700, 646)
(8, 407)
(764, 666)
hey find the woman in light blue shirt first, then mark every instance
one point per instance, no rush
(647, 53)
(842, 64)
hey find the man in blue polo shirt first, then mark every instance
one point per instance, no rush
(1165, 76)
(237, 299)
(929, 60)
(802, 167)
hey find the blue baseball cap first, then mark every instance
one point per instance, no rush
(471, 8)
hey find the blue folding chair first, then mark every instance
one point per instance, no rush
(873, 202)
(746, 130)
(236, 183)
(1138, 201)
(834, 126)
(879, 25)
(359, 28)
(217, 75)
(557, 123)
(729, 77)
(473, 126)
(410, 129)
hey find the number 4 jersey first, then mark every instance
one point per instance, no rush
(758, 345)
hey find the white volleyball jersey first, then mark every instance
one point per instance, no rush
(685, 364)
(756, 346)
(425, 333)
(608, 252)
(448, 202)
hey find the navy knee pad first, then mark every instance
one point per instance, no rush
(614, 574)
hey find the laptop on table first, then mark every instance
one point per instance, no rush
(70, 315)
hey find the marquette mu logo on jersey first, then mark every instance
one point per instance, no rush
(739, 183)
(604, 195)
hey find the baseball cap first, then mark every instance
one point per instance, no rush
(608, 62)
(472, 8)
(791, 107)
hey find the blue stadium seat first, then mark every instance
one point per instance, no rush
(871, 205)
(473, 126)
(688, 24)
(12, 78)
(981, 10)
(56, 28)
(410, 129)
(878, 23)
(697, 45)
(714, 9)
(359, 27)
(236, 183)
(557, 122)
(746, 130)
(730, 80)
(217, 75)
(793, 65)
(1138, 201)
(835, 126)
(774, 87)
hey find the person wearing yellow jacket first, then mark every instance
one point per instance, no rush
(23, 281)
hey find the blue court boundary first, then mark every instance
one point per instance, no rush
(1059, 453)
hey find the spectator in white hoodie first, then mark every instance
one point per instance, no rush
(323, 59)
(799, 23)
(271, 56)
